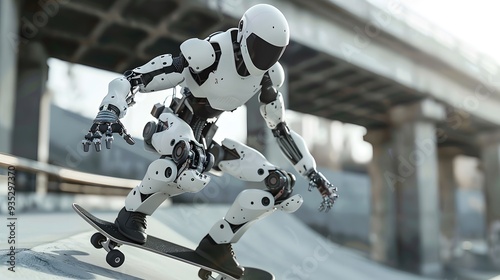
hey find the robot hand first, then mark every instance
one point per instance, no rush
(106, 123)
(326, 189)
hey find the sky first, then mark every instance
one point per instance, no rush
(474, 22)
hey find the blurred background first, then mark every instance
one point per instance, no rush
(397, 100)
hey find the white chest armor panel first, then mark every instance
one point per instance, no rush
(224, 88)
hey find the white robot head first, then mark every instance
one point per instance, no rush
(263, 34)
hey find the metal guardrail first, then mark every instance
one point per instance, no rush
(66, 174)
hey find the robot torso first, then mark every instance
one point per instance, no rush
(221, 84)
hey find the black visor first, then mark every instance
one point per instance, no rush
(263, 54)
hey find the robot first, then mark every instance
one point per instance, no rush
(218, 74)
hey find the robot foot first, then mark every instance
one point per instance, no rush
(132, 225)
(221, 255)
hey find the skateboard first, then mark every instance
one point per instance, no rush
(109, 238)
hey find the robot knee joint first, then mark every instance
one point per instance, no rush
(162, 170)
(250, 205)
(160, 173)
(200, 159)
(280, 184)
(192, 180)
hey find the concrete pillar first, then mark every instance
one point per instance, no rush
(257, 131)
(447, 200)
(383, 203)
(31, 80)
(328, 152)
(490, 157)
(9, 14)
(416, 159)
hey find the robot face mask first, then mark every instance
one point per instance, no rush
(262, 53)
(263, 35)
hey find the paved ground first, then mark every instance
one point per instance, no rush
(54, 245)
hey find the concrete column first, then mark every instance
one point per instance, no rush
(383, 203)
(31, 80)
(490, 157)
(417, 191)
(257, 131)
(447, 200)
(9, 14)
(327, 153)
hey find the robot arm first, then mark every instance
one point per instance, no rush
(162, 72)
(292, 144)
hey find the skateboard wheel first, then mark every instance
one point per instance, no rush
(204, 274)
(97, 239)
(115, 258)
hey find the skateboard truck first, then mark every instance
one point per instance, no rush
(207, 275)
(114, 258)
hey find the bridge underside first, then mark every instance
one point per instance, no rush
(117, 35)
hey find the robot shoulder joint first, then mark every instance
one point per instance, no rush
(199, 53)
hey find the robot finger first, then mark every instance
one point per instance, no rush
(87, 141)
(97, 140)
(325, 206)
(109, 137)
(126, 136)
(97, 145)
(109, 141)
(86, 145)
(129, 139)
(109, 130)
(329, 201)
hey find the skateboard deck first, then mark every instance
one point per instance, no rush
(109, 238)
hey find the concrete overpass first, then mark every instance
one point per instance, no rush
(356, 47)
(423, 96)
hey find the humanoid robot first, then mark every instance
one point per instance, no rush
(218, 74)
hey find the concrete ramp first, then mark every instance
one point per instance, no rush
(283, 245)
(75, 258)
(72, 258)
(279, 243)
